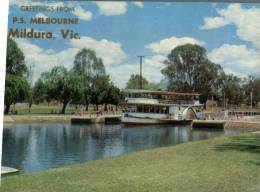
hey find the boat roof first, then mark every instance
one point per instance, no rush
(140, 91)
(151, 104)
(163, 104)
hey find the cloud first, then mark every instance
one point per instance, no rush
(43, 60)
(111, 52)
(82, 13)
(151, 70)
(214, 22)
(41, 15)
(246, 22)
(111, 8)
(138, 4)
(236, 59)
(164, 46)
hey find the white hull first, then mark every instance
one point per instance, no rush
(144, 118)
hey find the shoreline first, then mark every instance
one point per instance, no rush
(9, 119)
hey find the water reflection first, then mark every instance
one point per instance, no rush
(38, 146)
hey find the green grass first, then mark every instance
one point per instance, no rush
(45, 110)
(42, 109)
(217, 165)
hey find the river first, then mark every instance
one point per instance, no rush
(32, 147)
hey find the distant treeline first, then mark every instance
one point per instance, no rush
(186, 69)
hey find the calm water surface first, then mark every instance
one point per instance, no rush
(38, 146)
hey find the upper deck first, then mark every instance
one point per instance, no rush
(160, 97)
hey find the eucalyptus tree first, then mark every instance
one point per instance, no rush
(233, 89)
(88, 65)
(187, 69)
(252, 86)
(16, 85)
(15, 60)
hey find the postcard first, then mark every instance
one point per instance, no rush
(131, 96)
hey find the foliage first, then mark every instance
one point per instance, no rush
(62, 85)
(134, 82)
(252, 85)
(155, 86)
(15, 63)
(88, 64)
(91, 68)
(114, 95)
(183, 65)
(39, 91)
(209, 80)
(188, 69)
(232, 89)
(16, 86)
(16, 90)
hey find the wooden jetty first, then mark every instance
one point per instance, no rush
(176, 121)
(111, 119)
(219, 124)
(8, 171)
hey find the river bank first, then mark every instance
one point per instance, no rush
(56, 118)
(247, 124)
(221, 164)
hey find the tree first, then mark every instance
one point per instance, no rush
(134, 82)
(252, 85)
(88, 65)
(209, 81)
(15, 63)
(99, 90)
(63, 85)
(155, 86)
(39, 91)
(16, 86)
(16, 90)
(232, 89)
(256, 88)
(187, 69)
(114, 95)
(182, 66)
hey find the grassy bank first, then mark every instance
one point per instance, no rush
(219, 164)
(52, 109)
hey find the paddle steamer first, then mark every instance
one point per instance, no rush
(160, 107)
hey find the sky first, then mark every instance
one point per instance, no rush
(120, 31)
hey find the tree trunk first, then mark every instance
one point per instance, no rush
(30, 106)
(7, 108)
(105, 107)
(87, 107)
(64, 107)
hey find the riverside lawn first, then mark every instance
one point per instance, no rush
(221, 164)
